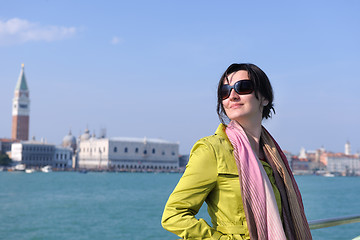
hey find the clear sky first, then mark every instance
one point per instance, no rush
(150, 68)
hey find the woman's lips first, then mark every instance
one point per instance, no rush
(237, 105)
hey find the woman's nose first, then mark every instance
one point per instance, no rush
(234, 95)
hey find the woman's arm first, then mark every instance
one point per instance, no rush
(190, 193)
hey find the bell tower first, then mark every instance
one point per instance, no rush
(21, 109)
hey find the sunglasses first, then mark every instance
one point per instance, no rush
(241, 87)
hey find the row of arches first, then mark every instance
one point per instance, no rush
(148, 167)
(145, 151)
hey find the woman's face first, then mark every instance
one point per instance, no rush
(242, 108)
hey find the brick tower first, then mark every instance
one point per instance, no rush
(21, 109)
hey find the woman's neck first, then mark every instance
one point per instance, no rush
(253, 132)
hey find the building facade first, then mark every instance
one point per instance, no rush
(5, 145)
(38, 154)
(128, 154)
(343, 164)
(21, 109)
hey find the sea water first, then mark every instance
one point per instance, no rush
(71, 205)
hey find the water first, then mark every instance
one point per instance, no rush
(70, 205)
(326, 197)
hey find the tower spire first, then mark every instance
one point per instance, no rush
(21, 109)
(21, 84)
(347, 148)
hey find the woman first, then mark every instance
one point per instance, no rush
(240, 171)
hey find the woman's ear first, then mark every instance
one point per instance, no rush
(265, 102)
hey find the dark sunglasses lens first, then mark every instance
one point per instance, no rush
(244, 87)
(225, 91)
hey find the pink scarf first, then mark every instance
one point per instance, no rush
(262, 214)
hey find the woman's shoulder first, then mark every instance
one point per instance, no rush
(216, 140)
(219, 147)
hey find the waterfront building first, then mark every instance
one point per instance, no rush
(127, 154)
(302, 154)
(300, 165)
(308, 161)
(342, 164)
(5, 145)
(21, 109)
(69, 141)
(345, 164)
(62, 158)
(39, 154)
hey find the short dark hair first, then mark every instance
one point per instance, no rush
(261, 84)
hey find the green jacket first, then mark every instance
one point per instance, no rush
(211, 176)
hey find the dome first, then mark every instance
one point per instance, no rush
(93, 136)
(85, 136)
(69, 141)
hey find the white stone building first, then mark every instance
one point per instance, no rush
(39, 154)
(343, 164)
(128, 154)
(62, 157)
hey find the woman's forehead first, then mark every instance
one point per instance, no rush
(236, 76)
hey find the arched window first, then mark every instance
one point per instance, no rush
(145, 152)
(115, 149)
(153, 150)
(126, 150)
(136, 150)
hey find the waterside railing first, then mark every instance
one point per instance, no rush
(331, 222)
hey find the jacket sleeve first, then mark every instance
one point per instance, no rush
(190, 193)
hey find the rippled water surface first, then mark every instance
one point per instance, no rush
(71, 205)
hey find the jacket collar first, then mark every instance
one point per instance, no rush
(220, 131)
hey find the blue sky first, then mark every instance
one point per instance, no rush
(150, 68)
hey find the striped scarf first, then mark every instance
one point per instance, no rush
(262, 215)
